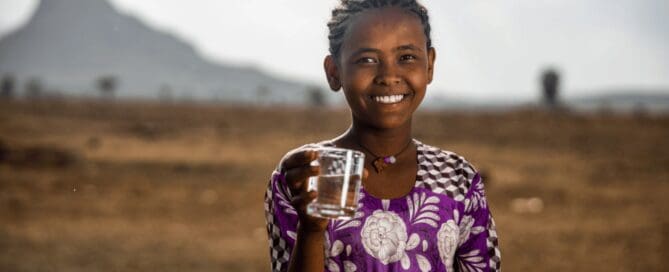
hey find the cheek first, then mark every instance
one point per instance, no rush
(418, 80)
(359, 79)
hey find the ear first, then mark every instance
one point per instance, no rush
(431, 56)
(332, 73)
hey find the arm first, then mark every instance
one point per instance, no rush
(293, 246)
(308, 253)
(478, 249)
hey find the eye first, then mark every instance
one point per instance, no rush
(408, 58)
(365, 60)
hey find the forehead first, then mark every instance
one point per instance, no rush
(385, 27)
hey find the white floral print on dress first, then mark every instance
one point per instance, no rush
(477, 200)
(384, 236)
(447, 242)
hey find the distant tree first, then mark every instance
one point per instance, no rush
(107, 85)
(605, 108)
(640, 110)
(550, 83)
(34, 88)
(165, 94)
(262, 94)
(316, 96)
(7, 87)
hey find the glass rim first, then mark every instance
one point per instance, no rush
(339, 149)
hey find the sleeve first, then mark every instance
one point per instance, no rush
(478, 249)
(281, 220)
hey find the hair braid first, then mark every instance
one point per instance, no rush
(347, 9)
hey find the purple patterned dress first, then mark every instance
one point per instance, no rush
(442, 224)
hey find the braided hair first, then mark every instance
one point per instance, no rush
(347, 9)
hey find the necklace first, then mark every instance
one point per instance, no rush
(382, 162)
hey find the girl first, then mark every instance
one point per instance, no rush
(421, 208)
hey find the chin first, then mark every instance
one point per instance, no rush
(390, 123)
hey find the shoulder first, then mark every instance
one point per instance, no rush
(444, 159)
(444, 171)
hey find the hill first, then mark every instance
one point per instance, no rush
(69, 44)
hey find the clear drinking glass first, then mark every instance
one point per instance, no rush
(338, 183)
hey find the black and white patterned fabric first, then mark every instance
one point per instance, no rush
(443, 172)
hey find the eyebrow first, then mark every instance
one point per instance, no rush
(408, 47)
(374, 50)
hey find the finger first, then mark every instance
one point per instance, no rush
(300, 201)
(300, 158)
(365, 173)
(296, 177)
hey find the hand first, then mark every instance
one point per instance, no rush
(297, 169)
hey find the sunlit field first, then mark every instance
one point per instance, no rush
(138, 186)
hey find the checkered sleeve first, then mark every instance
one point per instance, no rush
(281, 220)
(478, 248)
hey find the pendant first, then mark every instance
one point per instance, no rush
(382, 163)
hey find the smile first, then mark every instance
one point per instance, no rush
(388, 99)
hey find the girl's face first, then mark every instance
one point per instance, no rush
(384, 67)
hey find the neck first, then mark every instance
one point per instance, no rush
(383, 142)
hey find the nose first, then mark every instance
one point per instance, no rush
(387, 74)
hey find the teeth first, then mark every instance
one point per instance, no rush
(388, 99)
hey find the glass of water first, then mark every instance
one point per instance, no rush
(338, 183)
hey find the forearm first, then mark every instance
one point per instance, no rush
(308, 251)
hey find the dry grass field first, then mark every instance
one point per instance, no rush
(135, 186)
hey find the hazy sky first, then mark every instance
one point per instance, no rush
(485, 49)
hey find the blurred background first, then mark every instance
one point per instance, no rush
(140, 135)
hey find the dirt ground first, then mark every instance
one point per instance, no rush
(136, 186)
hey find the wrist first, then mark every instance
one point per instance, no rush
(311, 229)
